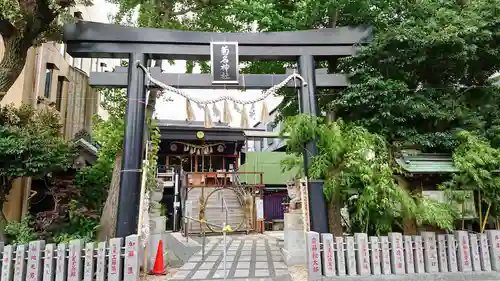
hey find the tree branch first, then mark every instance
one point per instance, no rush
(6, 28)
(202, 5)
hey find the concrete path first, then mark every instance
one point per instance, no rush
(252, 257)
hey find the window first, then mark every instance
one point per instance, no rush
(60, 86)
(48, 80)
(269, 128)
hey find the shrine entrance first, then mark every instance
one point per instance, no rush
(225, 50)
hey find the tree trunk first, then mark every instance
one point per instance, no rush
(5, 187)
(12, 63)
(335, 205)
(107, 225)
(335, 216)
(409, 223)
(3, 222)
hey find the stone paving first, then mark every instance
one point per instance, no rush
(248, 258)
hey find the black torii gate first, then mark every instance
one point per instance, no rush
(97, 40)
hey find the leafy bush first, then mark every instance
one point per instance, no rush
(355, 167)
(21, 232)
(93, 183)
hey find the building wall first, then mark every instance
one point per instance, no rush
(267, 144)
(49, 78)
(68, 92)
(99, 12)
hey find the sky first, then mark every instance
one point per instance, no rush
(176, 109)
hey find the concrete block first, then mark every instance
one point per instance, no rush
(375, 254)
(430, 252)
(362, 256)
(419, 255)
(397, 253)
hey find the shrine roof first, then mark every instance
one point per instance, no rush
(187, 130)
(427, 163)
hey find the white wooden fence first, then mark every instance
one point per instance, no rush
(113, 261)
(400, 254)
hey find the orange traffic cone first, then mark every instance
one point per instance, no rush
(159, 268)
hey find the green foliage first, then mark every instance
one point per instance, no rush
(426, 74)
(478, 164)
(93, 183)
(355, 165)
(429, 211)
(109, 133)
(21, 232)
(477, 161)
(77, 226)
(154, 148)
(28, 23)
(80, 219)
(47, 15)
(94, 180)
(30, 144)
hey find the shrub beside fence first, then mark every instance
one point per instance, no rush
(400, 254)
(75, 261)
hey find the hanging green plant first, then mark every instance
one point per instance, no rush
(152, 159)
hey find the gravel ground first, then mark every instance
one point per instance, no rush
(298, 272)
